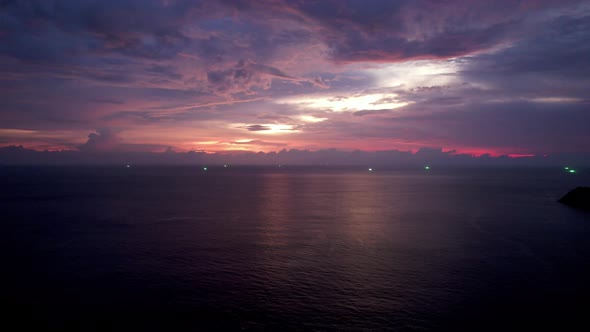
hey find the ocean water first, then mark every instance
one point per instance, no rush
(293, 248)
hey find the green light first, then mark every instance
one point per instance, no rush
(426, 167)
(572, 170)
(204, 168)
(566, 167)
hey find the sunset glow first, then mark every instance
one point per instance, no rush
(479, 78)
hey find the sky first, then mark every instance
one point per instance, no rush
(492, 78)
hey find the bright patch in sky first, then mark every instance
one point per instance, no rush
(267, 128)
(277, 129)
(16, 132)
(309, 118)
(415, 74)
(347, 103)
(206, 143)
(557, 100)
(406, 75)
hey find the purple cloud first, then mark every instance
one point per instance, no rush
(491, 76)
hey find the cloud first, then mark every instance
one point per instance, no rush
(101, 140)
(132, 27)
(258, 127)
(493, 75)
(259, 143)
(386, 159)
(554, 57)
(240, 79)
(518, 126)
(403, 30)
(370, 112)
(249, 78)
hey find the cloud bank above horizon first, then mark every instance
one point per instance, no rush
(139, 76)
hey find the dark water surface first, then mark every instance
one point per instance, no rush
(179, 248)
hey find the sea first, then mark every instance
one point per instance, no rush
(236, 248)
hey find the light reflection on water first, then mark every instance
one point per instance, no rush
(296, 249)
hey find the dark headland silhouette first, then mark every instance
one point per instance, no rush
(578, 198)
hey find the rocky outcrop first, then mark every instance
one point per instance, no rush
(578, 198)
